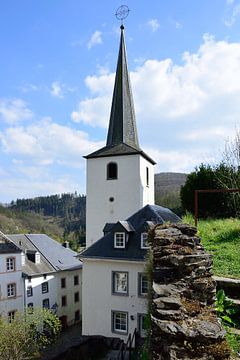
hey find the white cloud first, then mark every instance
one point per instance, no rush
(234, 15)
(95, 39)
(153, 24)
(230, 2)
(26, 187)
(201, 95)
(45, 143)
(57, 89)
(14, 110)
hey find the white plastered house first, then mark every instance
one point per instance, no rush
(51, 276)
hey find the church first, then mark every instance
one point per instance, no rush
(120, 212)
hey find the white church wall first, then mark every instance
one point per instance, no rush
(99, 303)
(129, 192)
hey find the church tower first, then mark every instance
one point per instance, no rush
(120, 176)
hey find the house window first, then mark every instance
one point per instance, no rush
(77, 315)
(142, 324)
(30, 308)
(147, 176)
(29, 278)
(119, 240)
(143, 284)
(45, 304)
(11, 315)
(29, 291)
(120, 322)
(63, 283)
(11, 290)
(64, 300)
(120, 283)
(144, 241)
(112, 171)
(44, 287)
(10, 264)
(76, 280)
(76, 297)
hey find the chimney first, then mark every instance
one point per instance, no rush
(66, 244)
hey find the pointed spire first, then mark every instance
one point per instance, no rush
(122, 126)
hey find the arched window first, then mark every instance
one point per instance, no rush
(112, 171)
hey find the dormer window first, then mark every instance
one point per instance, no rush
(112, 171)
(144, 241)
(119, 240)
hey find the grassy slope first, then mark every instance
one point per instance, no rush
(15, 222)
(222, 239)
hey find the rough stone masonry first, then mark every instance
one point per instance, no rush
(184, 322)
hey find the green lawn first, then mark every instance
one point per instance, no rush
(222, 239)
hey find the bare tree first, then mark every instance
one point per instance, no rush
(231, 177)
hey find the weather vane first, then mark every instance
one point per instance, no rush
(122, 12)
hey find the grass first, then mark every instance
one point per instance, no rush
(221, 238)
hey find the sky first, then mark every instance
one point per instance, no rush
(57, 65)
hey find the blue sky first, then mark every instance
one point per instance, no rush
(57, 64)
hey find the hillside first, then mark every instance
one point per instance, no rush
(167, 189)
(16, 222)
(64, 215)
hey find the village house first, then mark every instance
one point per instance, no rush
(37, 271)
(11, 288)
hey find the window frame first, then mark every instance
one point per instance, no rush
(11, 294)
(76, 297)
(77, 315)
(140, 282)
(114, 283)
(76, 280)
(147, 176)
(47, 300)
(13, 267)
(45, 291)
(64, 300)
(144, 237)
(11, 315)
(29, 291)
(115, 177)
(116, 330)
(63, 283)
(116, 234)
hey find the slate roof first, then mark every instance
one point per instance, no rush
(146, 217)
(122, 138)
(54, 256)
(57, 255)
(7, 246)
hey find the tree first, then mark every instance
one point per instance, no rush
(231, 179)
(27, 334)
(209, 204)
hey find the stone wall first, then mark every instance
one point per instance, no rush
(184, 323)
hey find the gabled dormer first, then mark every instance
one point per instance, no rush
(121, 232)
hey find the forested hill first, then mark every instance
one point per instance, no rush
(69, 206)
(67, 211)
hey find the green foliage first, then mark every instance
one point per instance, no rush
(170, 200)
(221, 238)
(226, 309)
(233, 341)
(212, 204)
(25, 336)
